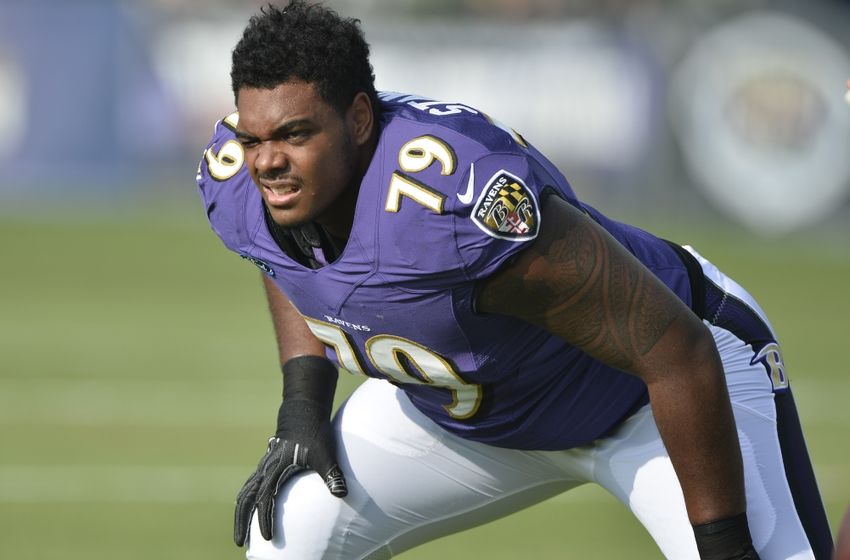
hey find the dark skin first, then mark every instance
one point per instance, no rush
(579, 283)
(293, 336)
(574, 280)
(306, 157)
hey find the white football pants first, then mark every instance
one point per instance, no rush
(411, 482)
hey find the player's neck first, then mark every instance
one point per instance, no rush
(339, 218)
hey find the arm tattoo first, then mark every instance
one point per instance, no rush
(578, 282)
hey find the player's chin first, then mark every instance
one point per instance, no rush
(287, 217)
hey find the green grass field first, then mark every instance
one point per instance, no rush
(138, 383)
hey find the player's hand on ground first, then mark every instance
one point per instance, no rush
(304, 441)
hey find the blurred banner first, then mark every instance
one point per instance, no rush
(594, 108)
(763, 127)
(636, 101)
(81, 105)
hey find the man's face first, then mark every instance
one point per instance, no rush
(298, 150)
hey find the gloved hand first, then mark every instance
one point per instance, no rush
(303, 441)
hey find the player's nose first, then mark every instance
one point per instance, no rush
(271, 158)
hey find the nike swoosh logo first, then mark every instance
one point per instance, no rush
(466, 197)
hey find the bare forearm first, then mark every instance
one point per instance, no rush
(577, 282)
(292, 334)
(694, 417)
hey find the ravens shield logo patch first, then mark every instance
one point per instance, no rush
(507, 209)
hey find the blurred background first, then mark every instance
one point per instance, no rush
(137, 368)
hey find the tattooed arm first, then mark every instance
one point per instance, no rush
(579, 283)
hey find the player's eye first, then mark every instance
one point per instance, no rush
(297, 135)
(247, 142)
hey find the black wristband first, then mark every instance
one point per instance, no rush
(725, 539)
(310, 378)
(300, 419)
(309, 383)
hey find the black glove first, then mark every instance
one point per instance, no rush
(304, 441)
(725, 539)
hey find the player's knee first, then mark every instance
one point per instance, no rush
(307, 525)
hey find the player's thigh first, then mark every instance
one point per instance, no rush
(634, 466)
(409, 482)
(782, 525)
(736, 310)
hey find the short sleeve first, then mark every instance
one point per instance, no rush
(503, 215)
(223, 183)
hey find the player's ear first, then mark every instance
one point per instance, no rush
(360, 119)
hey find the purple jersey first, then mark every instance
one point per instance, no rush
(448, 198)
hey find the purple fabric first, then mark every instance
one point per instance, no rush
(411, 275)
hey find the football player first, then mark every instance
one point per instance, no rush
(519, 342)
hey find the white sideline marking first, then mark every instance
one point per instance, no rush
(136, 402)
(120, 483)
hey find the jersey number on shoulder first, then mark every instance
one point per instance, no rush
(389, 353)
(229, 159)
(415, 156)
